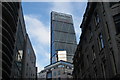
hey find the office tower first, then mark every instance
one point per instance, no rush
(62, 36)
(98, 52)
(9, 18)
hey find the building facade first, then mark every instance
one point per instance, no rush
(15, 43)
(62, 35)
(97, 54)
(62, 55)
(19, 47)
(0, 40)
(29, 61)
(60, 70)
(9, 18)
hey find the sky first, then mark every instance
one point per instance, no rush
(37, 21)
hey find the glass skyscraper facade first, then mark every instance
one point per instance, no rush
(62, 36)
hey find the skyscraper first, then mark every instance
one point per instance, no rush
(62, 36)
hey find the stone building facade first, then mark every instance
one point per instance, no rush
(60, 70)
(98, 52)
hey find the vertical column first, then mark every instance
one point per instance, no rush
(0, 40)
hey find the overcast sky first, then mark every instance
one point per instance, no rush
(37, 20)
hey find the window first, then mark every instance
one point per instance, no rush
(60, 66)
(93, 51)
(95, 70)
(68, 73)
(97, 19)
(103, 68)
(113, 61)
(91, 34)
(54, 73)
(27, 64)
(88, 60)
(28, 51)
(100, 41)
(19, 55)
(117, 22)
(59, 72)
(108, 32)
(49, 74)
(68, 67)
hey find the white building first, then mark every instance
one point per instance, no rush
(62, 55)
(59, 70)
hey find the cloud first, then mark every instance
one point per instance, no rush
(77, 21)
(37, 29)
(40, 37)
(64, 7)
